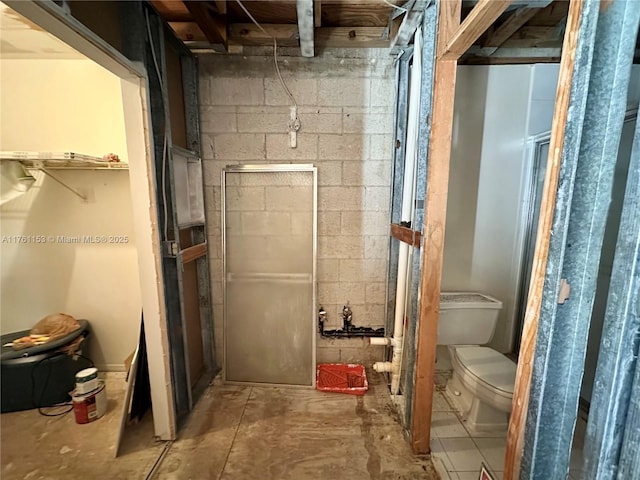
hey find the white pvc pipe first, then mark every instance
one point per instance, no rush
(408, 191)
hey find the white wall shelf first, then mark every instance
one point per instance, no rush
(61, 160)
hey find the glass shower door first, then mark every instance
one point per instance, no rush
(269, 252)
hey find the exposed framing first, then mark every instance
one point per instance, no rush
(606, 39)
(515, 435)
(453, 38)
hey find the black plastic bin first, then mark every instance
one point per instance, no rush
(39, 376)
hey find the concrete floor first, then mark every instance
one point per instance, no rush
(234, 432)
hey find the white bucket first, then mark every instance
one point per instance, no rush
(86, 381)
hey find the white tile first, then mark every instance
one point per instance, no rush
(447, 425)
(440, 403)
(493, 450)
(468, 475)
(477, 434)
(438, 452)
(463, 454)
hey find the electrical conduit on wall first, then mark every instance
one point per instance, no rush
(408, 190)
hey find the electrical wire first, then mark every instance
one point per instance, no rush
(275, 52)
(395, 6)
(38, 403)
(164, 144)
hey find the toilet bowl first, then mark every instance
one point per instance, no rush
(481, 386)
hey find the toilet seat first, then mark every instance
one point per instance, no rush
(490, 368)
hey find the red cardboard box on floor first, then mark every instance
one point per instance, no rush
(342, 378)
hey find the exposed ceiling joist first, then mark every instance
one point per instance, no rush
(287, 36)
(539, 38)
(175, 10)
(222, 6)
(477, 22)
(510, 26)
(214, 26)
(513, 55)
(305, 27)
(221, 25)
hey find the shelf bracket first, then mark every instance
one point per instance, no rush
(49, 174)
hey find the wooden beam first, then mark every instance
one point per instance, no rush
(222, 6)
(477, 22)
(190, 254)
(352, 37)
(249, 34)
(287, 36)
(510, 26)
(214, 26)
(188, 32)
(305, 27)
(172, 10)
(433, 232)
(406, 235)
(517, 421)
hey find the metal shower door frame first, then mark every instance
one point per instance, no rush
(271, 168)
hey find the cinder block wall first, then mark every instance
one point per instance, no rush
(345, 100)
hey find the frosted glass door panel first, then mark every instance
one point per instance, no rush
(268, 331)
(269, 266)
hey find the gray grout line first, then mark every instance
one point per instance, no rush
(235, 433)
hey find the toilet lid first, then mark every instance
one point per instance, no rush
(488, 366)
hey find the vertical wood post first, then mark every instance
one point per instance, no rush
(433, 233)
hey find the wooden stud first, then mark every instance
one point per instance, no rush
(433, 232)
(305, 27)
(477, 22)
(517, 421)
(213, 26)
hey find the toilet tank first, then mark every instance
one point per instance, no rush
(467, 318)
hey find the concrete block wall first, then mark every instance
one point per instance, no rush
(346, 101)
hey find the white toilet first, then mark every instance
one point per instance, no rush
(483, 379)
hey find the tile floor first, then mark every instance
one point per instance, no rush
(462, 454)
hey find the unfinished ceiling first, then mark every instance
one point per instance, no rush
(528, 32)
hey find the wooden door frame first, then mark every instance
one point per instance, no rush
(453, 39)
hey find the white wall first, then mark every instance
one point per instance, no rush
(69, 105)
(61, 105)
(483, 236)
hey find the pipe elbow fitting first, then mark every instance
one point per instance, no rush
(381, 367)
(379, 341)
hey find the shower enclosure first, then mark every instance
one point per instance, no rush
(269, 249)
